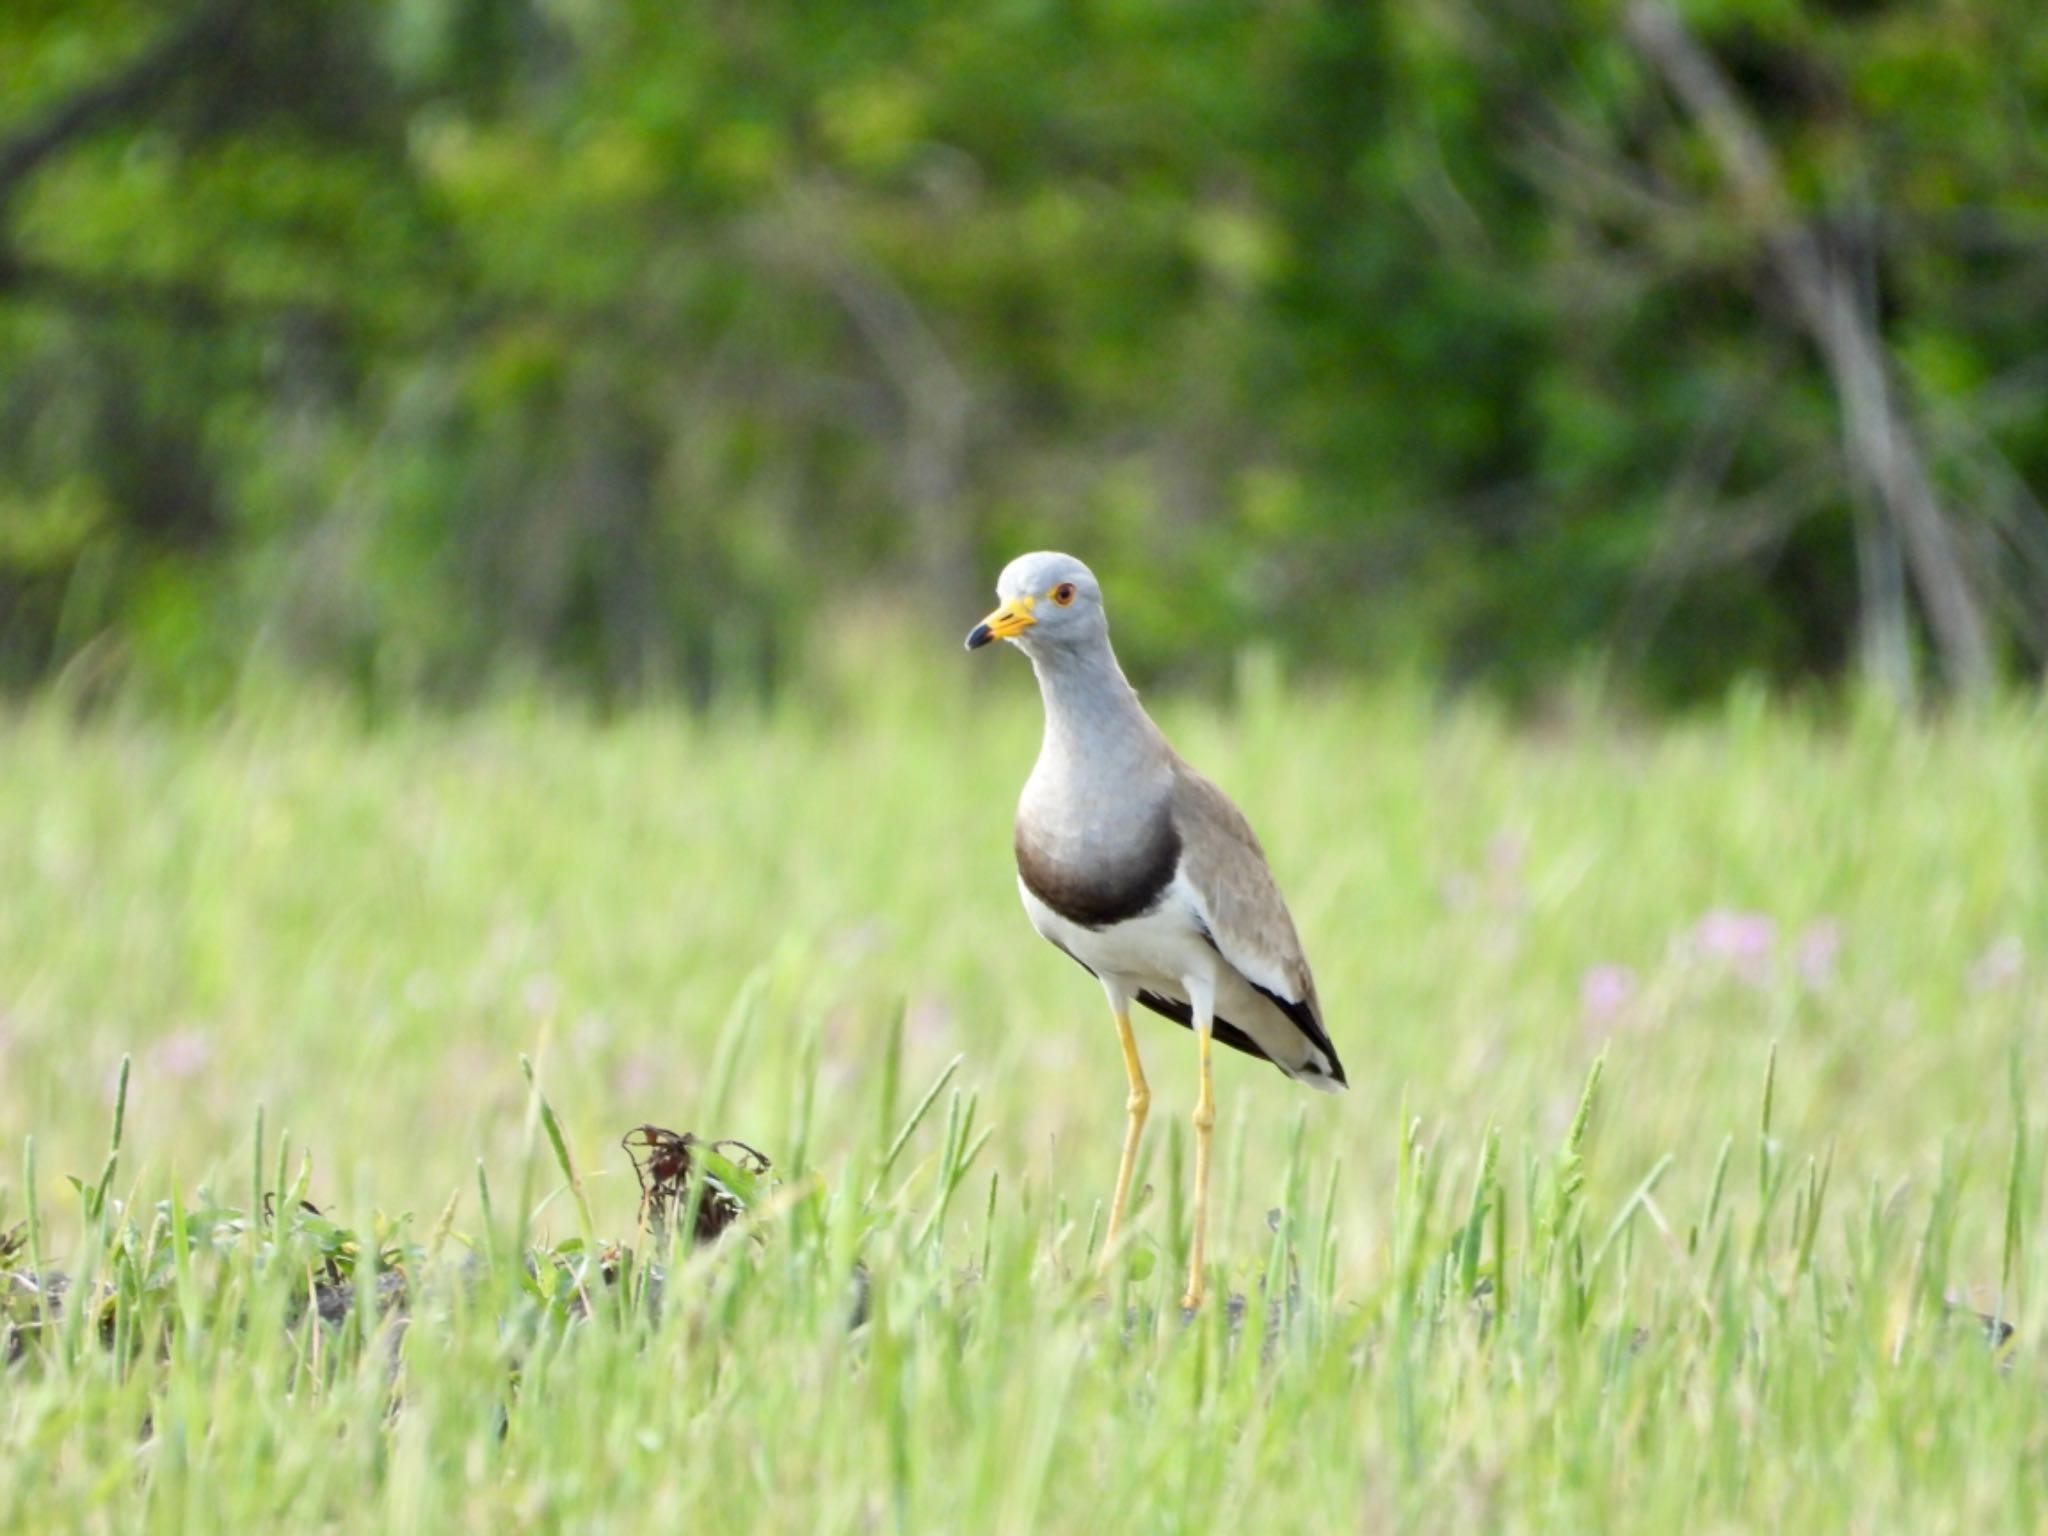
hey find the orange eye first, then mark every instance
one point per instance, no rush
(1063, 594)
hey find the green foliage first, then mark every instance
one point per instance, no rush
(414, 343)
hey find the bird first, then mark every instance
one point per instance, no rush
(1146, 874)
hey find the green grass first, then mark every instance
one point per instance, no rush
(1715, 1295)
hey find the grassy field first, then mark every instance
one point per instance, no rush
(1711, 1295)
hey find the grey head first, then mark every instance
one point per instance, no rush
(1050, 603)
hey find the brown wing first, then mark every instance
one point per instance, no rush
(1248, 921)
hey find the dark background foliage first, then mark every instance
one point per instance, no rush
(629, 343)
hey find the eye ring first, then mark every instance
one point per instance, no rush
(1063, 594)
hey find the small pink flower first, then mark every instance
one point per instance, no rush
(541, 994)
(859, 939)
(1818, 948)
(1743, 941)
(1999, 966)
(182, 1053)
(1604, 991)
(929, 1020)
(638, 1074)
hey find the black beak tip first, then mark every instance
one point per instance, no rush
(979, 636)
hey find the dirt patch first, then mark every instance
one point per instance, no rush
(670, 1164)
(683, 1177)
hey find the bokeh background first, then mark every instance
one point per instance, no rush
(633, 348)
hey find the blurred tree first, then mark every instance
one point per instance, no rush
(413, 340)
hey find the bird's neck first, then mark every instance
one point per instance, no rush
(1092, 714)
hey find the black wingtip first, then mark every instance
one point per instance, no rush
(1303, 1016)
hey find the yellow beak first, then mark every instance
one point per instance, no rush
(1013, 618)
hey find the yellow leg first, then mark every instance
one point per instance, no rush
(1205, 1121)
(1137, 1106)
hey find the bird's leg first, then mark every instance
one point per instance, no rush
(1135, 1107)
(1205, 1121)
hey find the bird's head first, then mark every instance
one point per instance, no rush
(1048, 600)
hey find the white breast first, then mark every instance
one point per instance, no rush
(1165, 952)
(1157, 952)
